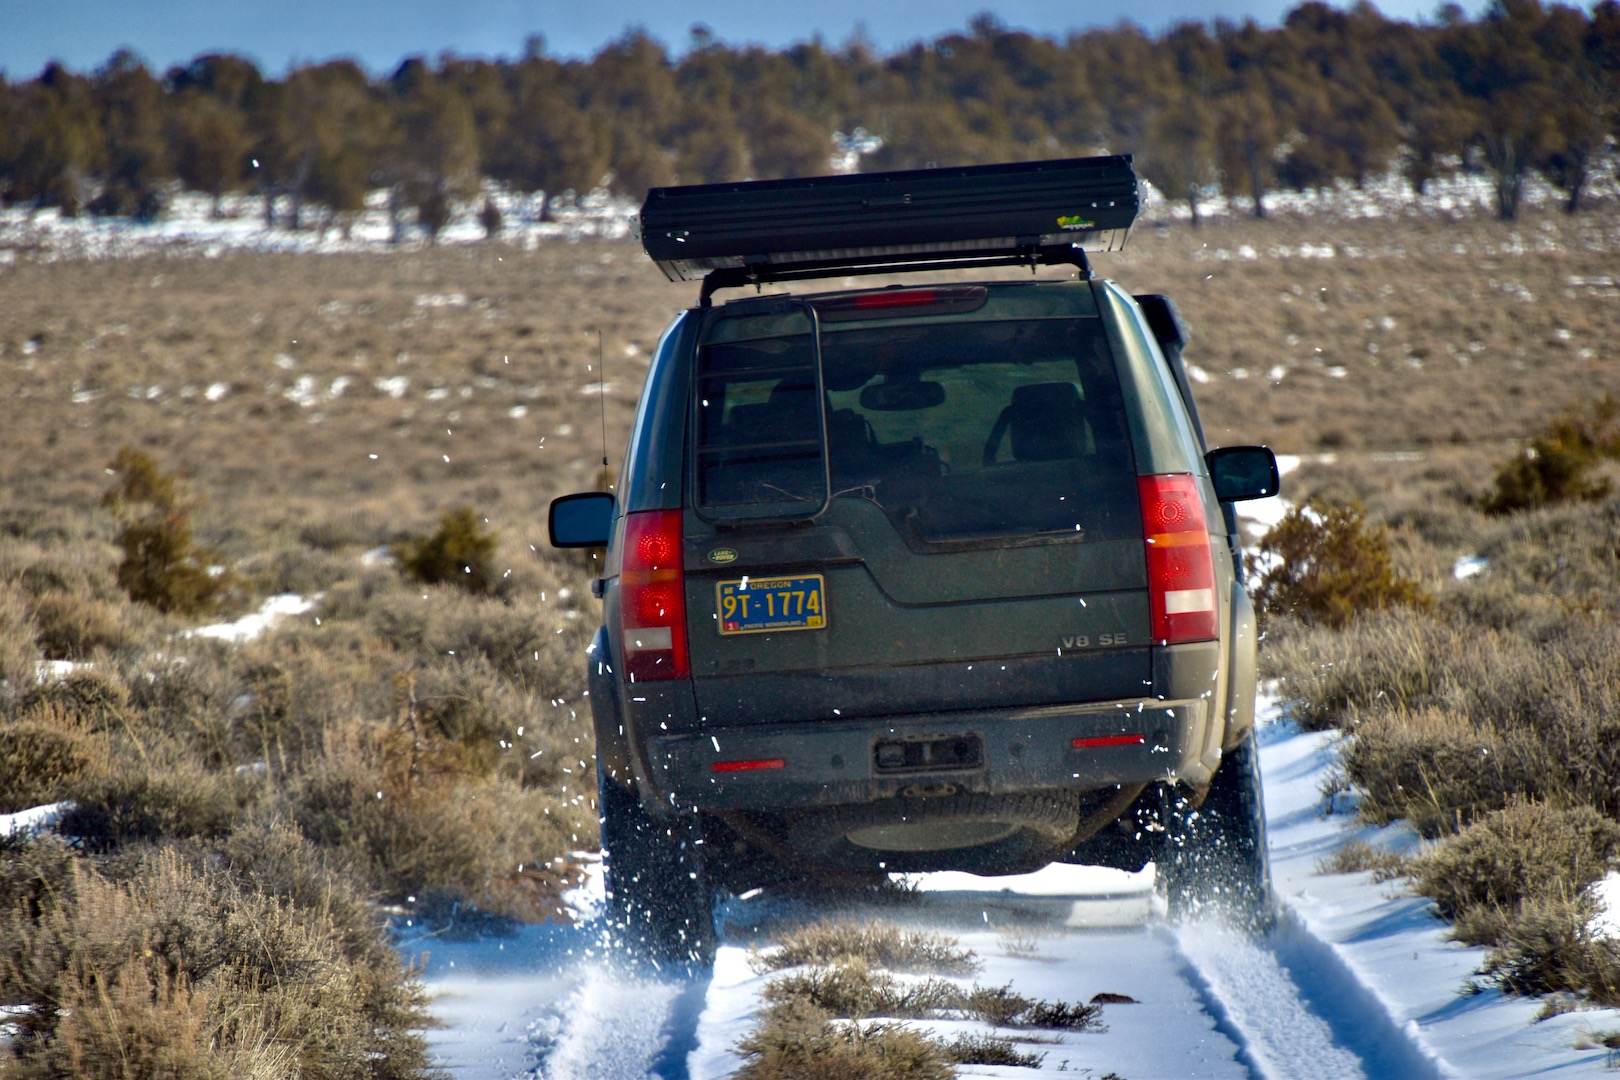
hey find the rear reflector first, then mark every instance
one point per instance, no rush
(652, 597)
(749, 766)
(1180, 565)
(1109, 740)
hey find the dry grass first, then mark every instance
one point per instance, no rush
(1524, 852)
(880, 945)
(835, 1009)
(179, 968)
(1358, 856)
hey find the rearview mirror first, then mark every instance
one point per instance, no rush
(1241, 473)
(583, 520)
(902, 396)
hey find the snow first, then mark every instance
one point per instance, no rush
(35, 820)
(251, 626)
(189, 227)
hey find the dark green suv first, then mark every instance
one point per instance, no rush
(929, 576)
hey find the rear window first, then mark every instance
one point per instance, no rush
(960, 430)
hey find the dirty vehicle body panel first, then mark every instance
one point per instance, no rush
(927, 576)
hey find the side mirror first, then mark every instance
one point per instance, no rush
(1241, 473)
(583, 520)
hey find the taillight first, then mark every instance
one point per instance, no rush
(652, 597)
(1180, 566)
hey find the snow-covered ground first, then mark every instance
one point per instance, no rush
(189, 227)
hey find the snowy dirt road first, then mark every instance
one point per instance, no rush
(1195, 1000)
(1357, 979)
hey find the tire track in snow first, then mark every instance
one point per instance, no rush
(1291, 1002)
(619, 1025)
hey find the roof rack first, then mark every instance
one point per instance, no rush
(1028, 213)
(1031, 255)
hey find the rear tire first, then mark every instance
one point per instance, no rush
(1214, 857)
(658, 891)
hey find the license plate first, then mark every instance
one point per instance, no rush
(758, 605)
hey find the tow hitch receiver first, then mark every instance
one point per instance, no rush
(928, 753)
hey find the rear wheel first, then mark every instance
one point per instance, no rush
(658, 891)
(1214, 857)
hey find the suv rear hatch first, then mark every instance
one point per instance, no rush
(911, 501)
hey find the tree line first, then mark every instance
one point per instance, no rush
(1328, 96)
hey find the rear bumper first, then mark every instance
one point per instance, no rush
(833, 762)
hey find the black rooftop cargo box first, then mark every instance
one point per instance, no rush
(866, 219)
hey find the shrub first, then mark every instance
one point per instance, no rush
(797, 1041)
(1001, 1006)
(74, 627)
(852, 989)
(1555, 466)
(409, 815)
(147, 799)
(272, 856)
(180, 970)
(1523, 852)
(40, 762)
(1322, 564)
(94, 698)
(1438, 769)
(989, 1050)
(797, 1036)
(19, 652)
(162, 565)
(1358, 856)
(878, 944)
(1548, 945)
(460, 553)
(1387, 659)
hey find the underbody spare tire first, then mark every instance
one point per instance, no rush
(988, 834)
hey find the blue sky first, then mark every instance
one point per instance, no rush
(379, 33)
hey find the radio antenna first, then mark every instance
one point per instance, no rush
(601, 392)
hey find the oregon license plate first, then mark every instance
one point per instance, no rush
(756, 605)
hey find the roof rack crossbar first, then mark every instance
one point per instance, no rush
(757, 274)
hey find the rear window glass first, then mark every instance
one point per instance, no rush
(959, 430)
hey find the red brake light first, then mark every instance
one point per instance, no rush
(1180, 565)
(946, 300)
(909, 298)
(652, 597)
